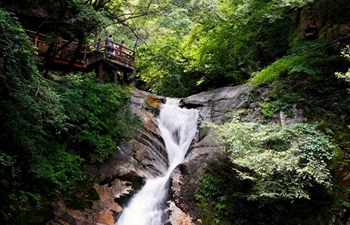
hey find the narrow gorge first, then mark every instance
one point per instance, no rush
(178, 127)
(145, 157)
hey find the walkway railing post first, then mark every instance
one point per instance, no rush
(36, 40)
(105, 50)
(59, 44)
(85, 58)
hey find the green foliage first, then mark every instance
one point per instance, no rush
(267, 175)
(211, 187)
(232, 207)
(227, 41)
(30, 118)
(305, 64)
(282, 163)
(320, 95)
(56, 169)
(346, 75)
(213, 195)
(50, 128)
(164, 78)
(98, 115)
(85, 18)
(170, 86)
(279, 103)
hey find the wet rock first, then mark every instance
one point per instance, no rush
(212, 106)
(121, 175)
(154, 102)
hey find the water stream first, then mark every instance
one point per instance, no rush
(178, 127)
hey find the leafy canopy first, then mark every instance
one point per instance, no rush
(50, 128)
(215, 43)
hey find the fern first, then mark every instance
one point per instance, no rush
(307, 63)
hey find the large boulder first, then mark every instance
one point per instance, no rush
(212, 106)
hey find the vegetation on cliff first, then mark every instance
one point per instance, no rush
(50, 128)
(271, 168)
(293, 49)
(54, 125)
(301, 76)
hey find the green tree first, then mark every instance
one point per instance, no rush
(282, 162)
(98, 115)
(267, 175)
(50, 128)
(30, 111)
(221, 43)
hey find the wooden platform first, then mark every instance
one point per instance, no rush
(122, 59)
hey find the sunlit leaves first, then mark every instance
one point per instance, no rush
(270, 10)
(346, 76)
(86, 17)
(307, 63)
(222, 42)
(282, 162)
(58, 170)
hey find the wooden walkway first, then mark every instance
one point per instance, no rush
(123, 58)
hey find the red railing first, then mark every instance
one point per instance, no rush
(119, 51)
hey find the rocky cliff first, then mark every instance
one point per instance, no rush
(145, 157)
(116, 180)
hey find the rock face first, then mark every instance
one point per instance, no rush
(313, 23)
(145, 157)
(142, 157)
(213, 107)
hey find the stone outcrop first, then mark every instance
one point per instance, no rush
(213, 107)
(142, 157)
(154, 102)
(313, 23)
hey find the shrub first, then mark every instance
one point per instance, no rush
(268, 175)
(282, 162)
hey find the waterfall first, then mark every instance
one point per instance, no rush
(178, 127)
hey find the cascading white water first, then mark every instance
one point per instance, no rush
(178, 127)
